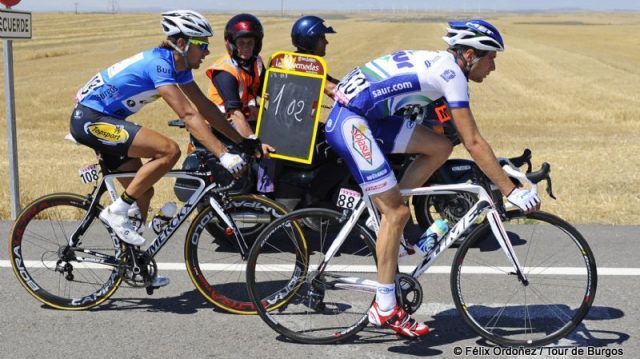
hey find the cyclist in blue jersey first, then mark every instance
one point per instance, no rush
(114, 94)
(361, 128)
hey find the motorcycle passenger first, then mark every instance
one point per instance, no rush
(308, 36)
(99, 120)
(361, 128)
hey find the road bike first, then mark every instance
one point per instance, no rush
(517, 279)
(67, 258)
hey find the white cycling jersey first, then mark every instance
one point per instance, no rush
(382, 86)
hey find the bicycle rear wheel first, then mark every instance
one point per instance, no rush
(214, 260)
(561, 273)
(296, 299)
(63, 277)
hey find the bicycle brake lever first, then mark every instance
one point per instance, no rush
(549, 189)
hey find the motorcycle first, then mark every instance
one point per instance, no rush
(321, 183)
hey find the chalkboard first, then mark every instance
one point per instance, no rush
(288, 118)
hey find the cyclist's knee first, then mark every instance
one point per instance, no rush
(398, 215)
(170, 152)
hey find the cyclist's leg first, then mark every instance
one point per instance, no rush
(164, 154)
(355, 141)
(407, 137)
(143, 201)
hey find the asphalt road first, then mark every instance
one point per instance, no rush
(177, 322)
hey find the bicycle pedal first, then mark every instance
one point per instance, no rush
(150, 290)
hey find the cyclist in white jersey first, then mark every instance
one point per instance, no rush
(104, 103)
(361, 128)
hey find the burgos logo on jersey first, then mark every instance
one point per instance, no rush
(107, 133)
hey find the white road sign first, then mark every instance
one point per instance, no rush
(15, 24)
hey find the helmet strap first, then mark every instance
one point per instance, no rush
(182, 53)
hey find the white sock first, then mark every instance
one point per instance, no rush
(119, 206)
(386, 297)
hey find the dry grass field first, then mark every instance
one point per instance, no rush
(568, 87)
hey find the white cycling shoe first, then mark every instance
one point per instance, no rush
(121, 225)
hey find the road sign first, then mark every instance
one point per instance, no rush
(15, 24)
(10, 3)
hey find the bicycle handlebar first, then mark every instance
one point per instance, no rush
(531, 178)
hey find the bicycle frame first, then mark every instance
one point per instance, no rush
(483, 209)
(107, 184)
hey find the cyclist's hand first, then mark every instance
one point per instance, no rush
(526, 200)
(252, 146)
(233, 163)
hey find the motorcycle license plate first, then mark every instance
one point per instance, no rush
(348, 198)
(89, 173)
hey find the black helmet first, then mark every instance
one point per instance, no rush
(243, 25)
(306, 32)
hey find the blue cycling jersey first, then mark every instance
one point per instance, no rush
(124, 88)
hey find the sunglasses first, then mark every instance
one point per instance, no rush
(204, 46)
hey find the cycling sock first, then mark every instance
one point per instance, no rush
(386, 297)
(127, 198)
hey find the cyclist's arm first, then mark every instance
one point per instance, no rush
(194, 121)
(210, 111)
(479, 149)
(330, 86)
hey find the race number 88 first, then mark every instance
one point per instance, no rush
(346, 201)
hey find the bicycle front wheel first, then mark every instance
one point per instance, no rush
(296, 297)
(561, 276)
(60, 276)
(214, 259)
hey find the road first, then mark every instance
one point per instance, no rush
(177, 322)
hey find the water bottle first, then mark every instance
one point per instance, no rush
(431, 236)
(163, 216)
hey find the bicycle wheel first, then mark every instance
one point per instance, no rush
(297, 300)
(561, 273)
(214, 260)
(59, 276)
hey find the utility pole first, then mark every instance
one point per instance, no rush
(76, 5)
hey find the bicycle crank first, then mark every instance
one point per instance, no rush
(408, 292)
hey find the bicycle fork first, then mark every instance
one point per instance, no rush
(505, 243)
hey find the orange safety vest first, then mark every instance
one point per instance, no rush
(249, 86)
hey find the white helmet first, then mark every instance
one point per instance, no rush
(476, 33)
(187, 22)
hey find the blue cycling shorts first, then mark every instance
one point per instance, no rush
(108, 136)
(362, 144)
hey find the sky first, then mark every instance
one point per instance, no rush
(325, 5)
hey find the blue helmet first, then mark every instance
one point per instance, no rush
(306, 32)
(475, 33)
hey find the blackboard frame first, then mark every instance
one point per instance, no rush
(283, 62)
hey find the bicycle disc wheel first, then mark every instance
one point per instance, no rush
(561, 274)
(296, 299)
(214, 260)
(55, 274)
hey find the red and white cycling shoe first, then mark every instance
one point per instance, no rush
(399, 321)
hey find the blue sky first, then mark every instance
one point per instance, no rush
(326, 5)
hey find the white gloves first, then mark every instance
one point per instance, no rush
(232, 162)
(524, 199)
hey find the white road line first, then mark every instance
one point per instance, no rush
(602, 271)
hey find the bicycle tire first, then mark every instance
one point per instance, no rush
(39, 235)
(214, 262)
(291, 297)
(561, 273)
